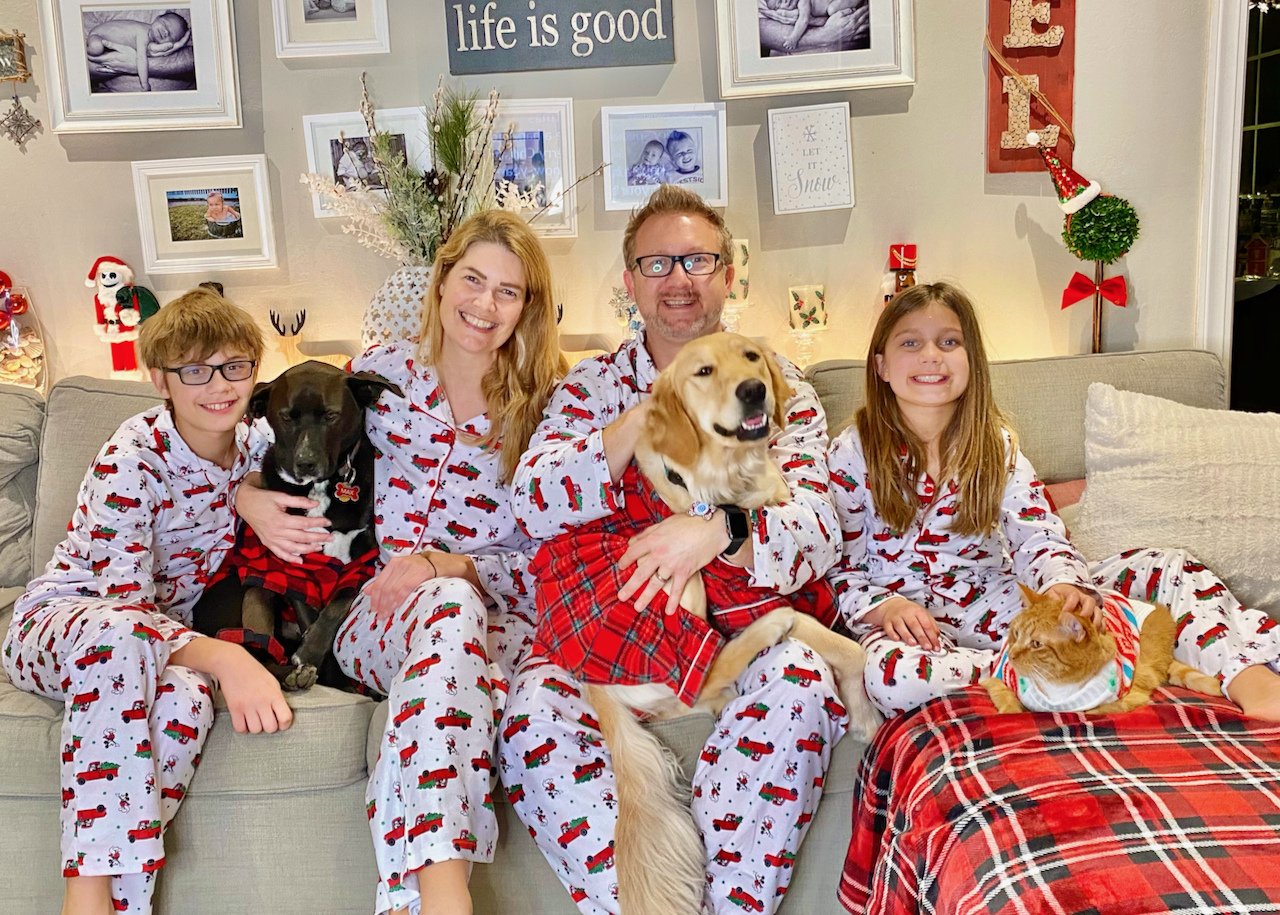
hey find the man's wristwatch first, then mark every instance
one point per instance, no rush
(735, 522)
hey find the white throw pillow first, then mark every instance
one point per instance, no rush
(1161, 474)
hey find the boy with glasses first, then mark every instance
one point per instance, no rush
(105, 628)
(679, 271)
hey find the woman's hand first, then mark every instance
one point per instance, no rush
(1078, 601)
(667, 554)
(906, 621)
(288, 536)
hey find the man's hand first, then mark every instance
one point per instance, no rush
(667, 554)
(842, 29)
(288, 536)
(907, 622)
(1078, 601)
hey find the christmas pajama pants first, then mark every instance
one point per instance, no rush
(1216, 634)
(131, 736)
(755, 788)
(444, 662)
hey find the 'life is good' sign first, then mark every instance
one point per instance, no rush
(507, 35)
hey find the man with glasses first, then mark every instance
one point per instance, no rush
(679, 271)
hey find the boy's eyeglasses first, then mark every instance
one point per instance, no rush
(702, 263)
(201, 373)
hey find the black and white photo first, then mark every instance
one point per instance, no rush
(139, 50)
(328, 10)
(813, 26)
(668, 156)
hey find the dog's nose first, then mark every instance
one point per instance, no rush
(751, 392)
(306, 468)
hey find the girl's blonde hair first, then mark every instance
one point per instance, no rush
(528, 366)
(972, 448)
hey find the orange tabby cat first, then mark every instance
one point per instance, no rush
(1061, 662)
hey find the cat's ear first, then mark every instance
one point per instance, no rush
(1028, 596)
(1071, 626)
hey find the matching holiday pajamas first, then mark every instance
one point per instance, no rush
(446, 655)
(759, 778)
(97, 629)
(969, 585)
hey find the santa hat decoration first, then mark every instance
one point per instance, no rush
(92, 279)
(1074, 191)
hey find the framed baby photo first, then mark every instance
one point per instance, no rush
(140, 65)
(811, 157)
(204, 214)
(328, 28)
(780, 47)
(645, 146)
(533, 150)
(338, 148)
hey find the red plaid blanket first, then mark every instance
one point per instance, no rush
(584, 628)
(315, 581)
(1174, 807)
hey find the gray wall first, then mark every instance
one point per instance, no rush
(918, 164)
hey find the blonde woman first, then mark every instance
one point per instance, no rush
(443, 624)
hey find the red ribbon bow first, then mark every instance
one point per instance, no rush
(1081, 287)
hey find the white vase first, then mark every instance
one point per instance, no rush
(395, 311)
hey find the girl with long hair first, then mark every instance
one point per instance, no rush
(943, 517)
(449, 614)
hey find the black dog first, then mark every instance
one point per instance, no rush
(321, 451)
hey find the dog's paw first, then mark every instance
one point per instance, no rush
(775, 625)
(303, 676)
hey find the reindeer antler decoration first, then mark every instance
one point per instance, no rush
(289, 340)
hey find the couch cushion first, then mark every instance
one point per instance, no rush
(1044, 398)
(1166, 475)
(81, 414)
(325, 747)
(21, 419)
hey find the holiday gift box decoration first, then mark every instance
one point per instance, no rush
(327, 28)
(812, 158)
(767, 47)
(205, 214)
(184, 78)
(649, 145)
(533, 158)
(338, 148)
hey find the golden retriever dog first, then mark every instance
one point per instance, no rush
(706, 439)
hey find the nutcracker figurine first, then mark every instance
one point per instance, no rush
(119, 307)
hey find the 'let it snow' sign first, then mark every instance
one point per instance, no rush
(506, 35)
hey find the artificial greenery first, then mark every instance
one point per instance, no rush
(1104, 230)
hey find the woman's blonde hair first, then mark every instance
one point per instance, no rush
(526, 368)
(194, 326)
(972, 448)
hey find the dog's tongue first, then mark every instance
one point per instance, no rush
(752, 423)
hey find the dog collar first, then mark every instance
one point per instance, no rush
(346, 490)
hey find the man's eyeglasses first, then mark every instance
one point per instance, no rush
(698, 264)
(239, 370)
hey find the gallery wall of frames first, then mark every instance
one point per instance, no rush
(192, 170)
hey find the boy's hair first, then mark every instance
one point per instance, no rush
(972, 448)
(527, 367)
(674, 198)
(194, 326)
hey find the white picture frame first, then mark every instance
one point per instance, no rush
(541, 127)
(314, 28)
(325, 136)
(811, 158)
(178, 238)
(194, 85)
(631, 135)
(871, 45)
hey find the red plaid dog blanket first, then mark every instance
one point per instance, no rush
(314, 582)
(1173, 807)
(584, 627)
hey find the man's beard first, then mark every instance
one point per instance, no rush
(709, 322)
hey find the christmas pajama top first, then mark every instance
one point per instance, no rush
(152, 524)
(563, 479)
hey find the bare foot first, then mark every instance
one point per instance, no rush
(1257, 691)
(87, 896)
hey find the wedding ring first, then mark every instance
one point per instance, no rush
(662, 578)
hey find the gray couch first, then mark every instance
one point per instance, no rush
(276, 823)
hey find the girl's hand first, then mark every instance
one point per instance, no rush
(288, 536)
(668, 554)
(1078, 601)
(253, 695)
(907, 622)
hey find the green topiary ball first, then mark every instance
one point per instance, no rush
(1102, 231)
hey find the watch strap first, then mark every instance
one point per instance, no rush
(735, 521)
